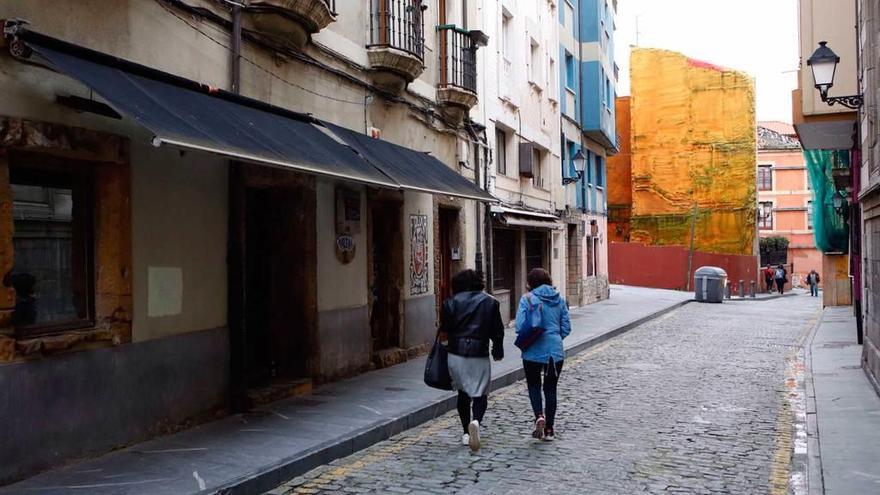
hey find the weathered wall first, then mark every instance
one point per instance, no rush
(179, 222)
(693, 141)
(619, 186)
(666, 267)
(89, 402)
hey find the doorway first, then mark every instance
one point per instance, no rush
(279, 251)
(386, 277)
(448, 243)
(536, 250)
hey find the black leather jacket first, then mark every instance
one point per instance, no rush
(471, 320)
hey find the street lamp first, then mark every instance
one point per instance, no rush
(579, 160)
(823, 63)
(839, 203)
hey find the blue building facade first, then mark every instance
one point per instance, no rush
(588, 89)
(588, 83)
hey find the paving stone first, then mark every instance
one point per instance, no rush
(692, 402)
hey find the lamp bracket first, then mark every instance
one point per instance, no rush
(568, 180)
(852, 101)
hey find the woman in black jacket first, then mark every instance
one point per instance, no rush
(470, 319)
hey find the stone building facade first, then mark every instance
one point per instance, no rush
(169, 275)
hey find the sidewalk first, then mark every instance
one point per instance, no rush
(254, 452)
(844, 431)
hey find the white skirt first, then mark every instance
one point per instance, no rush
(470, 375)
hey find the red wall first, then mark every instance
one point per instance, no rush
(665, 267)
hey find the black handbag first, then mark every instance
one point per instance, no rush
(437, 367)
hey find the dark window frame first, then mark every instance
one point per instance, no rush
(765, 178)
(500, 151)
(79, 177)
(765, 222)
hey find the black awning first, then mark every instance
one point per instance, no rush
(414, 170)
(189, 115)
(186, 114)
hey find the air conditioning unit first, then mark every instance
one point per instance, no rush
(526, 159)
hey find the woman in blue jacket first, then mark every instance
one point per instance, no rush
(545, 355)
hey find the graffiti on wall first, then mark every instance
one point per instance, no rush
(418, 265)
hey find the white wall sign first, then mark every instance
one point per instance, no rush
(165, 291)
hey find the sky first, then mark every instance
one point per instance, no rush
(759, 37)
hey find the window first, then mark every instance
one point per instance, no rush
(589, 173)
(569, 71)
(570, 22)
(809, 215)
(551, 79)
(765, 215)
(500, 152)
(52, 243)
(608, 93)
(505, 35)
(765, 178)
(535, 68)
(537, 173)
(600, 176)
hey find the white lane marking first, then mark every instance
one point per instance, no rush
(96, 485)
(199, 480)
(276, 413)
(377, 413)
(167, 451)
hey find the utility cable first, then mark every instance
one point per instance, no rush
(254, 63)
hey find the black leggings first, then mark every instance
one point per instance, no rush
(780, 284)
(533, 380)
(464, 408)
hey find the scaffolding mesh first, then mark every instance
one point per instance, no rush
(829, 226)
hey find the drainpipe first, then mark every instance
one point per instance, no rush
(235, 251)
(236, 49)
(855, 226)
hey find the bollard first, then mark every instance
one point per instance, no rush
(742, 289)
(727, 289)
(752, 289)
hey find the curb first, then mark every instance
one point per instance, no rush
(815, 480)
(759, 299)
(270, 477)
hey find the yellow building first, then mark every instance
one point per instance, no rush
(693, 153)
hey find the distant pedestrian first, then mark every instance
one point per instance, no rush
(542, 352)
(813, 279)
(781, 276)
(769, 274)
(469, 320)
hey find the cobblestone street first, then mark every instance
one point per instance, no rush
(693, 402)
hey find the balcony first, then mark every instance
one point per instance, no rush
(458, 68)
(397, 43)
(291, 22)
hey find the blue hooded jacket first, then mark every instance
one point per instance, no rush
(555, 323)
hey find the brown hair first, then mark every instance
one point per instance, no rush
(538, 277)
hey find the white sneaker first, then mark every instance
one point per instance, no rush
(538, 432)
(465, 439)
(474, 440)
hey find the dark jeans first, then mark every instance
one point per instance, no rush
(769, 282)
(814, 290)
(533, 380)
(464, 408)
(780, 284)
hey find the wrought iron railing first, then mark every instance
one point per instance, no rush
(458, 58)
(398, 24)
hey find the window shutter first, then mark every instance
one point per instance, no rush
(526, 167)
